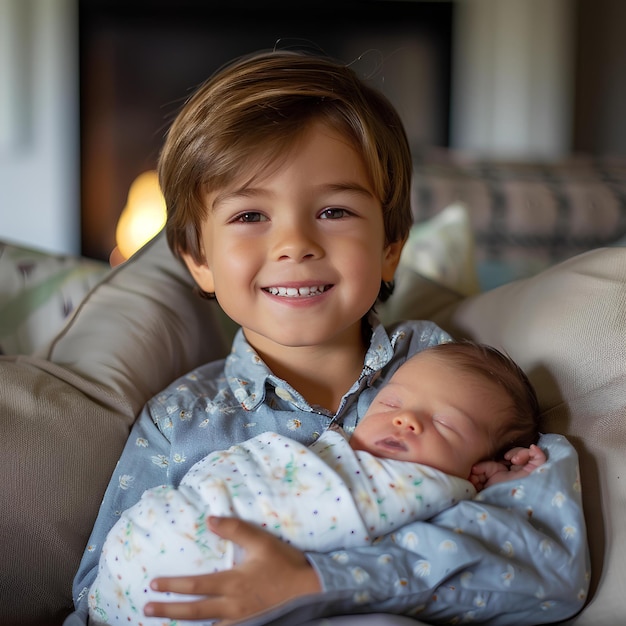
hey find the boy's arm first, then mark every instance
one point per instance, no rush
(143, 464)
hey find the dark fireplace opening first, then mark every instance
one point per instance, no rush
(141, 59)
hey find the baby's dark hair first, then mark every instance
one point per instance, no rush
(521, 424)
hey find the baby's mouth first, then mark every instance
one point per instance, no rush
(392, 444)
(297, 292)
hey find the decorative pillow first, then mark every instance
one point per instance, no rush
(38, 291)
(442, 249)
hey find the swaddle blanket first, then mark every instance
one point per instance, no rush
(325, 497)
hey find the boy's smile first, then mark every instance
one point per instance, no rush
(296, 254)
(298, 292)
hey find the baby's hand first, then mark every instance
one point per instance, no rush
(525, 460)
(483, 473)
(522, 462)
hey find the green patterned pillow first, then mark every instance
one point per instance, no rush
(38, 292)
(442, 249)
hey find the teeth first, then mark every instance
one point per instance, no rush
(295, 292)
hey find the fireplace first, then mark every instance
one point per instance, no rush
(140, 60)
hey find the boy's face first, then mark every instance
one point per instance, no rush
(434, 413)
(297, 255)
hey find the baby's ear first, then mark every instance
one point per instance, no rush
(201, 272)
(391, 258)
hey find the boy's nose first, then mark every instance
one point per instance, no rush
(408, 420)
(296, 241)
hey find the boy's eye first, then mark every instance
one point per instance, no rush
(333, 213)
(250, 217)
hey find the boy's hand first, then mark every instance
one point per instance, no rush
(521, 462)
(271, 573)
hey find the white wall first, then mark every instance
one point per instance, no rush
(513, 77)
(39, 124)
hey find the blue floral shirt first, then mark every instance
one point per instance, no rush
(229, 401)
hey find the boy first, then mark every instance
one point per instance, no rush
(287, 185)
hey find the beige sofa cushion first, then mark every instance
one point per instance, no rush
(140, 327)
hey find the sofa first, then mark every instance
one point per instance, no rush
(84, 346)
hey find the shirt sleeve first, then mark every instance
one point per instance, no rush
(143, 464)
(517, 554)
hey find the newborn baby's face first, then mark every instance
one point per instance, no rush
(431, 412)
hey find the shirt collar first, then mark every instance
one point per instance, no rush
(248, 375)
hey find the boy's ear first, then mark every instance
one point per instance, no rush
(391, 258)
(201, 273)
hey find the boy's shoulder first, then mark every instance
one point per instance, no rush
(206, 382)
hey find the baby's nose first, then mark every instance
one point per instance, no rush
(410, 421)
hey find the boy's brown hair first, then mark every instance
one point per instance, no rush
(520, 424)
(253, 111)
